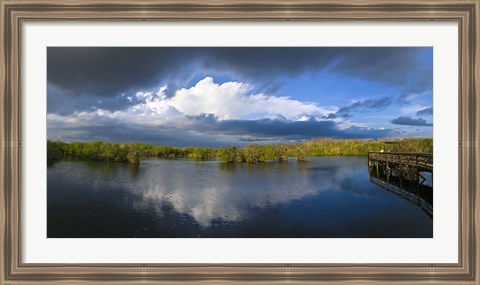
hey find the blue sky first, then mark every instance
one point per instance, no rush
(219, 96)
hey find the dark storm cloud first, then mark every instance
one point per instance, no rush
(279, 129)
(60, 103)
(123, 133)
(107, 72)
(250, 140)
(398, 66)
(404, 99)
(425, 112)
(330, 116)
(213, 132)
(409, 121)
(375, 104)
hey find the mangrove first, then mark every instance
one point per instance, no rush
(133, 153)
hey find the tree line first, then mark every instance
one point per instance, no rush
(134, 152)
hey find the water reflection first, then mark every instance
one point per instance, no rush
(326, 196)
(227, 191)
(409, 183)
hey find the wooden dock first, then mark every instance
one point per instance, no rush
(422, 161)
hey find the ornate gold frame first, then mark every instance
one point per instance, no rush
(15, 12)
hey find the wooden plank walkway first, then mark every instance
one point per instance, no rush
(423, 161)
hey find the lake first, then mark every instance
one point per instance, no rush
(323, 197)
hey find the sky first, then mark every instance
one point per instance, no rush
(217, 96)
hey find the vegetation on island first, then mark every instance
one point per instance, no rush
(134, 152)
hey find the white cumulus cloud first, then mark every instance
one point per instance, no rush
(232, 100)
(226, 101)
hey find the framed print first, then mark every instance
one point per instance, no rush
(176, 142)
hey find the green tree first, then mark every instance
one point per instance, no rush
(227, 154)
(54, 151)
(133, 156)
(300, 152)
(281, 151)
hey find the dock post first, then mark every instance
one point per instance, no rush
(388, 172)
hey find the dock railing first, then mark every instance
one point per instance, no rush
(422, 160)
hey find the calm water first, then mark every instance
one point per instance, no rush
(322, 197)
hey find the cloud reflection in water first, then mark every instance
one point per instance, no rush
(208, 191)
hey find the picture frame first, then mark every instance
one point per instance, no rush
(15, 13)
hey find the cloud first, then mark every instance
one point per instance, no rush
(330, 116)
(411, 68)
(425, 112)
(227, 101)
(60, 102)
(375, 104)
(108, 71)
(231, 100)
(283, 130)
(409, 121)
(255, 140)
